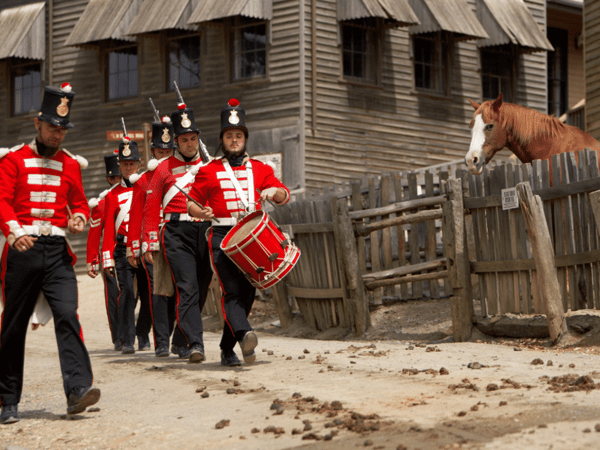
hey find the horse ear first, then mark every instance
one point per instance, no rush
(498, 102)
(474, 105)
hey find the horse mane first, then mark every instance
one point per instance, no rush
(525, 124)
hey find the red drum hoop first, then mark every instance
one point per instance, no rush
(260, 250)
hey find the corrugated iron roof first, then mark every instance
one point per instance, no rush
(218, 9)
(155, 15)
(396, 10)
(23, 32)
(511, 22)
(454, 16)
(102, 20)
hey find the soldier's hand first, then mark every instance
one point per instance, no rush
(149, 257)
(92, 273)
(204, 214)
(133, 261)
(272, 194)
(109, 271)
(76, 225)
(24, 243)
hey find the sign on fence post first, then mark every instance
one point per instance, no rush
(510, 200)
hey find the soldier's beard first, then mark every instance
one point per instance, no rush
(232, 154)
(44, 150)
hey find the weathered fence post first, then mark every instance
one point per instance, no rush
(346, 242)
(595, 203)
(458, 262)
(282, 304)
(543, 253)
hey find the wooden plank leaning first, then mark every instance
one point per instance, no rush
(543, 253)
(458, 262)
(346, 242)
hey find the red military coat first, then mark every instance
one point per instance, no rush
(214, 188)
(37, 190)
(94, 236)
(138, 199)
(118, 202)
(165, 176)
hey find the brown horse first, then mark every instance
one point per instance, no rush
(527, 133)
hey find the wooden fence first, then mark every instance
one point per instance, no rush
(394, 225)
(503, 260)
(405, 235)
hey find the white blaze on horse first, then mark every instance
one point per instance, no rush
(527, 133)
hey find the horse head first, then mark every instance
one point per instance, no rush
(488, 136)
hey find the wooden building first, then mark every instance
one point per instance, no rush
(333, 89)
(592, 66)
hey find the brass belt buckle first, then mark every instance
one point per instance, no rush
(45, 230)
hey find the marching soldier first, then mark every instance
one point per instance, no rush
(41, 198)
(182, 238)
(227, 186)
(111, 287)
(114, 255)
(162, 307)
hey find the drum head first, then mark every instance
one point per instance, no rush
(244, 230)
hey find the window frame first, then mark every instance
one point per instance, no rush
(14, 66)
(557, 60)
(442, 62)
(374, 29)
(237, 23)
(511, 54)
(106, 58)
(167, 57)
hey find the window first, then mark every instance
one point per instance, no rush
(432, 62)
(496, 73)
(360, 50)
(184, 62)
(26, 83)
(122, 73)
(249, 48)
(557, 71)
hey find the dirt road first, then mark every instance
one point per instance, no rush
(321, 394)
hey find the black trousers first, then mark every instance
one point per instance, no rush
(45, 267)
(163, 311)
(238, 293)
(111, 298)
(128, 298)
(187, 254)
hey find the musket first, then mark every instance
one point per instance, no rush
(123, 125)
(203, 149)
(195, 202)
(178, 92)
(156, 114)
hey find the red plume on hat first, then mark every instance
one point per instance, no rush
(233, 102)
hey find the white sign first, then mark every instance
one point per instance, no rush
(272, 159)
(509, 199)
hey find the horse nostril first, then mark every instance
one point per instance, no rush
(475, 160)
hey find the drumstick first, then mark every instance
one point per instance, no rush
(197, 204)
(270, 202)
(70, 214)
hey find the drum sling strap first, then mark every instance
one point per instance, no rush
(182, 182)
(248, 202)
(123, 212)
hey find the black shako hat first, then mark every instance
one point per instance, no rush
(112, 164)
(56, 105)
(162, 134)
(128, 150)
(233, 116)
(183, 120)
